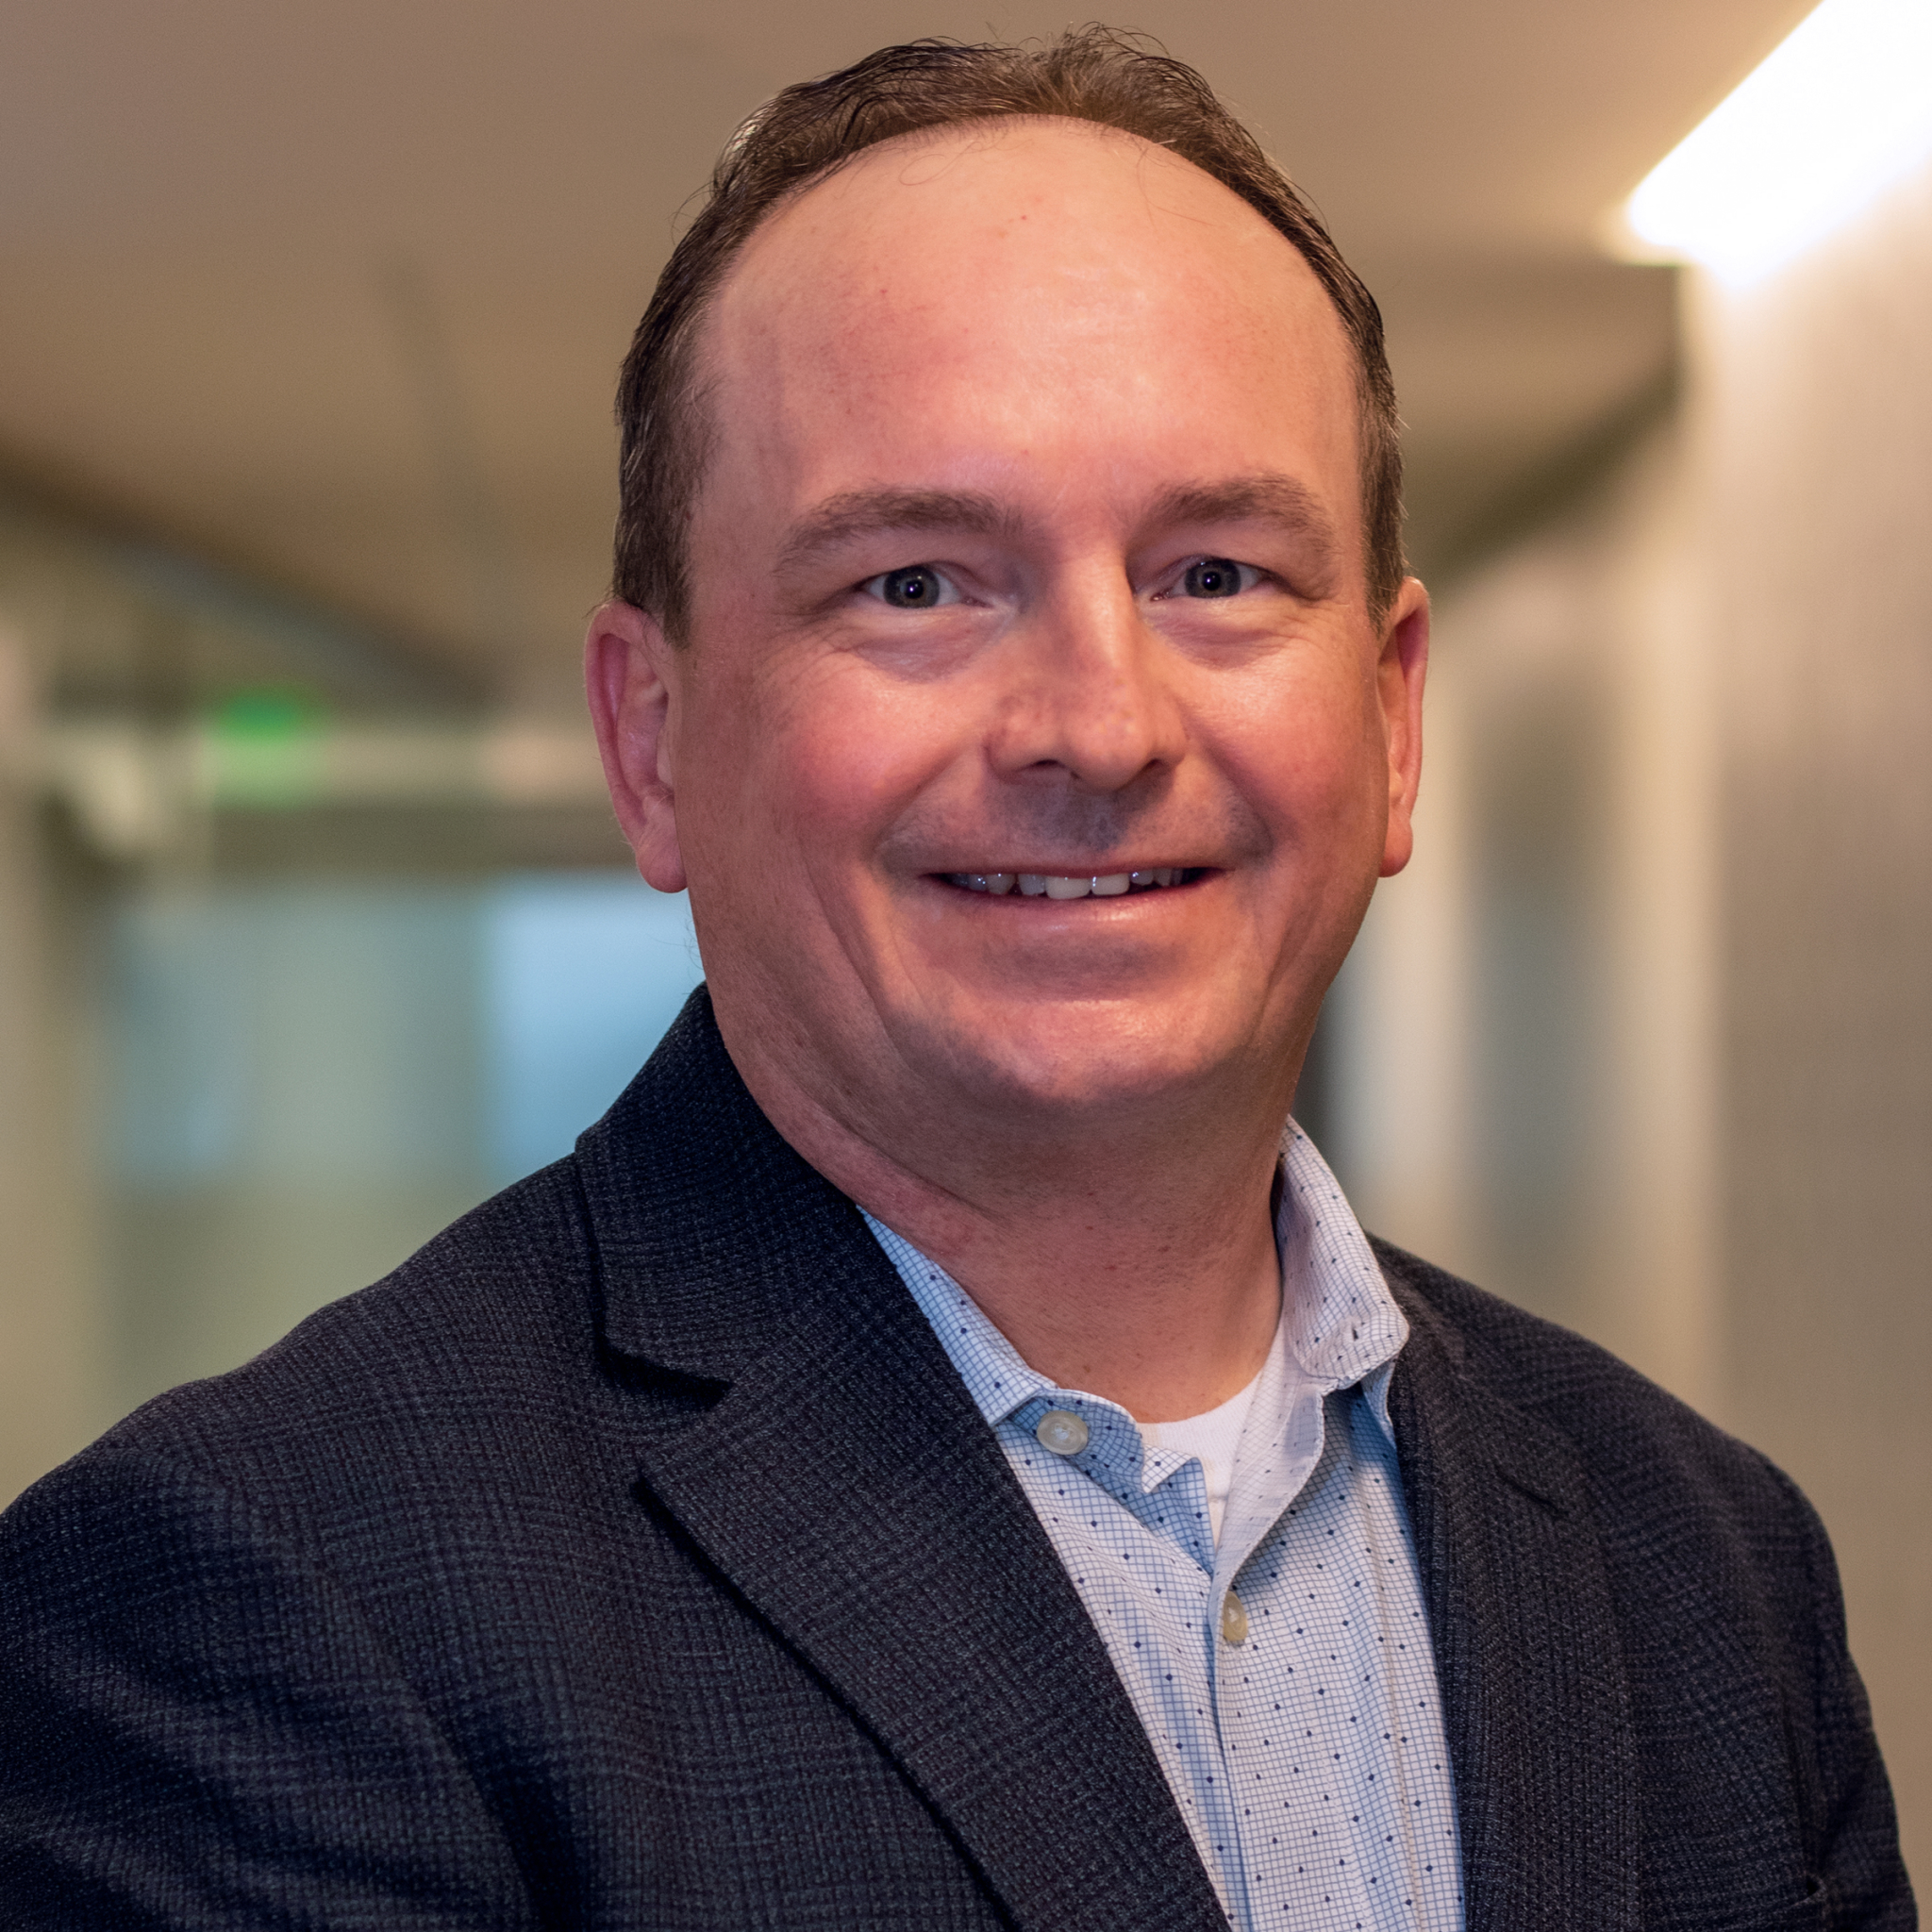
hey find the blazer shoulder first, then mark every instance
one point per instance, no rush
(491, 1321)
(1640, 1443)
(1718, 1576)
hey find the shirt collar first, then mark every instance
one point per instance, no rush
(995, 1376)
(1341, 1322)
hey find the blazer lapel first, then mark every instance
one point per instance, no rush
(844, 1484)
(1527, 1653)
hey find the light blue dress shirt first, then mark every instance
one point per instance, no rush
(1285, 1679)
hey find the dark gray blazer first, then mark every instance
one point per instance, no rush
(633, 1558)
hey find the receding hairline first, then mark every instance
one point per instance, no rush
(982, 131)
(947, 94)
(705, 372)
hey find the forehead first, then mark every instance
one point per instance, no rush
(1022, 281)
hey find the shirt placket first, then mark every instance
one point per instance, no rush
(1280, 1447)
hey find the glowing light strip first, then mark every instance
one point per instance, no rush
(1840, 110)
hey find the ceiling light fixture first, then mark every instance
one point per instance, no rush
(1840, 109)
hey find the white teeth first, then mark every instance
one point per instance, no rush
(1036, 884)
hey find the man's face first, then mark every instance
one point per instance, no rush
(1030, 549)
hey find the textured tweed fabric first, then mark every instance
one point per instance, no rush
(578, 1576)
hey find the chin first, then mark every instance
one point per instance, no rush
(1084, 1059)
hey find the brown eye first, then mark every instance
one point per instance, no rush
(1212, 576)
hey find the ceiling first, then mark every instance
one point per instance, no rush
(337, 292)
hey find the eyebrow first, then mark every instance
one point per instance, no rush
(1268, 497)
(857, 513)
(852, 514)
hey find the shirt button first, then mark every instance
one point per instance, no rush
(1061, 1431)
(1234, 1620)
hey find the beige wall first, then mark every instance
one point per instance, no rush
(1524, 1028)
(1644, 1039)
(1815, 399)
(53, 1395)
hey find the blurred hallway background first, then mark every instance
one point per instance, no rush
(314, 928)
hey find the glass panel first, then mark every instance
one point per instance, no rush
(582, 976)
(309, 1079)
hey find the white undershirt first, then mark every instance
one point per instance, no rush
(1214, 1437)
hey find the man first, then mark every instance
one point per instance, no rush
(939, 1454)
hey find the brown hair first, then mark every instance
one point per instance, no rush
(1091, 73)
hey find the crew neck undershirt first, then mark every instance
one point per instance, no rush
(1214, 1436)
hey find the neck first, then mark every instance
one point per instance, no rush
(1136, 1262)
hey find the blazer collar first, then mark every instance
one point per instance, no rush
(703, 1217)
(835, 1471)
(1527, 1655)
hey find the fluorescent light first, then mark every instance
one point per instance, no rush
(1840, 109)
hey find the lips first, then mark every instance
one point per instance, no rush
(1039, 885)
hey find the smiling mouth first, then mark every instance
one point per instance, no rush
(1046, 885)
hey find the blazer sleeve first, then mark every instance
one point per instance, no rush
(198, 1728)
(1857, 1857)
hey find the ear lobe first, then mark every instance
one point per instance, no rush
(1399, 676)
(630, 678)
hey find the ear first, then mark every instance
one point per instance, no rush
(632, 674)
(1399, 673)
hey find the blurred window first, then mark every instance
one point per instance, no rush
(306, 1079)
(582, 975)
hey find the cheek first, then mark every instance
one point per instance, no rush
(1307, 750)
(804, 769)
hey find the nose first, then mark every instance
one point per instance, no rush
(1089, 690)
